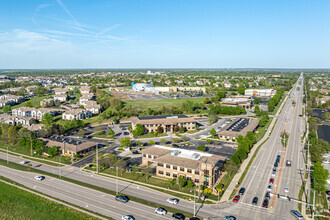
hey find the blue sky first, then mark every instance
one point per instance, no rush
(165, 34)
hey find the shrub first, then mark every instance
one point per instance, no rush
(201, 147)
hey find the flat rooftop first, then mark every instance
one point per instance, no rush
(162, 117)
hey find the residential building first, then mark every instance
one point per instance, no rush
(61, 98)
(227, 84)
(199, 167)
(95, 109)
(47, 102)
(260, 92)
(238, 127)
(78, 114)
(86, 97)
(3, 103)
(84, 89)
(168, 123)
(36, 113)
(60, 91)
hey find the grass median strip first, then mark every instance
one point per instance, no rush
(135, 199)
(33, 206)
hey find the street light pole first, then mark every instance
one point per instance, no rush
(97, 160)
(194, 201)
(117, 181)
(7, 155)
(60, 167)
(313, 205)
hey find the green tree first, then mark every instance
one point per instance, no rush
(139, 130)
(53, 151)
(125, 142)
(201, 147)
(212, 117)
(182, 129)
(111, 132)
(257, 100)
(40, 91)
(151, 142)
(12, 135)
(182, 182)
(6, 109)
(28, 104)
(320, 176)
(213, 132)
(190, 184)
(231, 167)
(241, 91)
(257, 109)
(47, 119)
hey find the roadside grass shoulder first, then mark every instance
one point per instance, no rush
(19, 203)
(110, 192)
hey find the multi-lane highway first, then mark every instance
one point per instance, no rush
(257, 179)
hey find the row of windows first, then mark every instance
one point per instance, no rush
(168, 166)
(175, 175)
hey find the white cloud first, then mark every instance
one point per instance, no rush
(20, 41)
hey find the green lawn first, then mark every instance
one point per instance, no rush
(34, 100)
(158, 104)
(19, 204)
(150, 135)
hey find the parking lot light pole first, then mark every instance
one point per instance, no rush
(117, 181)
(97, 160)
(194, 201)
(7, 155)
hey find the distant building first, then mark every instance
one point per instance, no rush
(167, 122)
(238, 127)
(243, 103)
(260, 92)
(60, 91)
(77, 114)
(142, 87)
(36, 113)
(199, 167)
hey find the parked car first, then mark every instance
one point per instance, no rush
(23, 162)
(236, 198)
(286, 189)
(269, 188)
(271, 180)
(123, 199)
(39, 178)
(241, 191)
(265, 203)
(160, 211)
(173, 201)
(328, 198)
(278, 158)
(229, 218)
(178, 216)
(274, 173)
(255, 201)
(194, 218)
(127, 217)
(296, 214)
(276, 164)
(328, 192)
(267, 196)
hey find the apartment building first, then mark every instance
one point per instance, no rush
(60, 91)
(168, 123)
(36, 113)
(77, 114)
(200, 167)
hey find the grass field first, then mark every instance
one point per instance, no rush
(158, 104)
(34, 100)
(19, 204)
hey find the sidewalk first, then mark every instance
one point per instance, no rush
(240, 171)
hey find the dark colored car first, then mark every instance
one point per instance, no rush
(267, 196)
(241, 191)
(178, 216)
(194, 218)
(327, 192)
(265, 203)
(276, 164)
(255, 201)
(123, 199)
(278, 158)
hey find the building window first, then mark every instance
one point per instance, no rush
(168, 174)
(160, 172)
(196, 172)
(182, 169)
(144, 155)
(149, 156)
(206, 172)
(168, 166)
(175, 175)
(160, 164)
(196, 180)
(175, 167)
(189, 170)
(206, 183)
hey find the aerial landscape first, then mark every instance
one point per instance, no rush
(148, 110)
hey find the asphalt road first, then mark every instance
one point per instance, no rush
(81, 196)
(257, 178)
(123, 187)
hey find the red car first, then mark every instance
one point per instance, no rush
(271, 180)
(236, 198)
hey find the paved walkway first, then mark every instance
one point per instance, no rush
(240, 171)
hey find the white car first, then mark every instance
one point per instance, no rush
(269, 188)
(127, 217)
(160, 211)
(39, 178)
(173, 201)
(23, 162)
(286, 189)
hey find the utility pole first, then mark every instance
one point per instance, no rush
(117, 181)
(60, 167)
(194, 201)
(313, 205)
(7, 155)
(31, 143)
(97, 160)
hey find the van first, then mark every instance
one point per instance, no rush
(296, 214)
